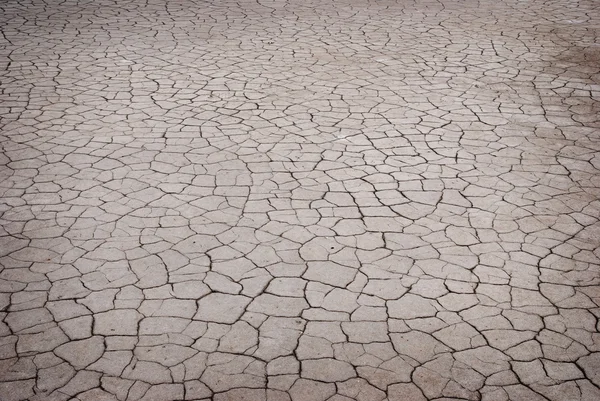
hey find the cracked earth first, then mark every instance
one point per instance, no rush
(300, 200)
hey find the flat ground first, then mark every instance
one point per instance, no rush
(300, 200)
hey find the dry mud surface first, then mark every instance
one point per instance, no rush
(299, 200)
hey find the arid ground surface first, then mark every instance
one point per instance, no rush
(300, 200)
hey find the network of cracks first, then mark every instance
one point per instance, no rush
(299, 200)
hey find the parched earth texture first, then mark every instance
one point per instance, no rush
(300, 200)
